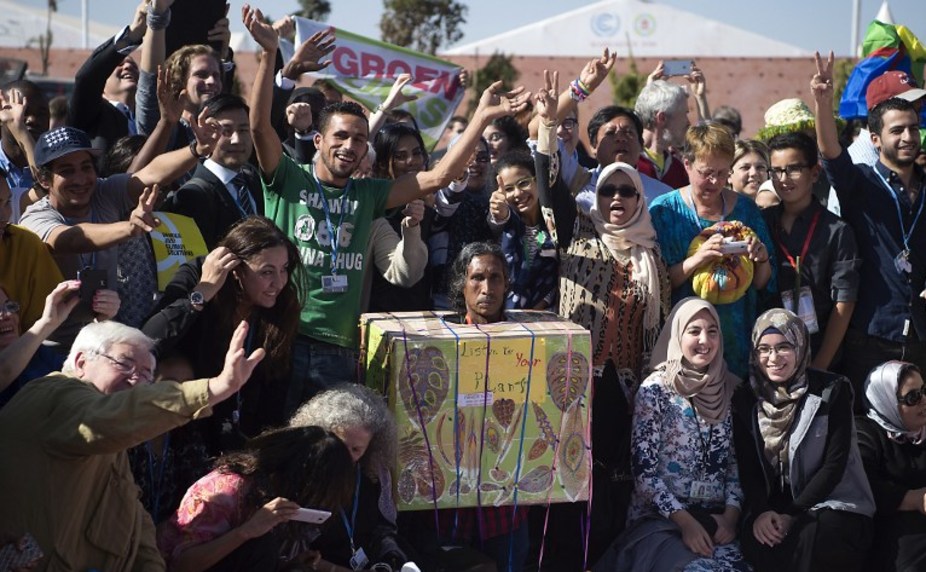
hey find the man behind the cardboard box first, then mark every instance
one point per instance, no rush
(477, 288)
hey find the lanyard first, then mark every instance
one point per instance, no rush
(694, 208)
(904, 233)
(332, 230)
(705, 449)
(806, 246)
(349, 526)
(156, 480)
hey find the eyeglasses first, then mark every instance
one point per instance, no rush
(482, 158)
(129, 369)
(782, 349)
(791, 171)
(912, 398)
(9, 307)
(495, 137)
(715, 175)
(524, 184)
(623, 191)
(569, 123)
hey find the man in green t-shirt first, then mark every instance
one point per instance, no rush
(328, 215)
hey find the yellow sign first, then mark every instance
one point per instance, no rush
(175, 241)
(510, 366)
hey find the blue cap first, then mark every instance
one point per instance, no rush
(60, 142)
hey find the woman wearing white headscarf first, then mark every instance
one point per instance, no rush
(686, 501)
(808, 503)
(612, 281)
(892, 440)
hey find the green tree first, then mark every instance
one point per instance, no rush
(626, 87)
(499, 67)
(423, 25)
(314, 9)
(841, 72)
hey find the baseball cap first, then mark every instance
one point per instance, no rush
(892, 84)
(59, 142)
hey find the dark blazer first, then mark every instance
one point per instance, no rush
(206, 200)
(87, 110)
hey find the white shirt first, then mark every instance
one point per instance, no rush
(226, 175)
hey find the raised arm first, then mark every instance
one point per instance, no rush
(699, 90)
(395, 99)
(13, 117)
(554, 194)
(493, 103)
(589, 78)
(170, 111)
(267, 143)
(821, 86)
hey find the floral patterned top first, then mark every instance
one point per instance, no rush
(214, 505)
(672, 449)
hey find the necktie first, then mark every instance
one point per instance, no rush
(240, 185)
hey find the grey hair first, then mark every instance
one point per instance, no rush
(99, 337)
(659, 95)
(352, 405)
(460, 266)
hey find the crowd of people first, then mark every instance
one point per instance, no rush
(756, 311)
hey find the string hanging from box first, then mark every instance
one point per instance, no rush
(421, 423)
(482, 433)
(457, 450)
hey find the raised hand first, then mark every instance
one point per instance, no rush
(13, 115)
(309, 54)
(299, 116)
(59, 304)
(658, 73)
(496, 103)
(237, 369)
(597, 69)
(285, 27)
(141, 219)
(262, 32)
(821, 85)
(414, 213)
(169, 104)
(545, 101)
(697, 80)
(221, 34)
(498, 204)
(396, 98)
(207, 132)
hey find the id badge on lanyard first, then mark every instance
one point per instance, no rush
(334, 283)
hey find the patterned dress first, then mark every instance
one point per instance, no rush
(676, 225)
(672, 448)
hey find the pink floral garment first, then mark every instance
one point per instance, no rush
(213, 506)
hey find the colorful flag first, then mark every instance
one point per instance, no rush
(365, 69)
(886, 47)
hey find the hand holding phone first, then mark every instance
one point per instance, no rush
(311, 516)
(676, 67)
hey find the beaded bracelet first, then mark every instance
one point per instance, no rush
(578, 91)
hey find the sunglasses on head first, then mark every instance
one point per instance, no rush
(623, 191)
(912, 398)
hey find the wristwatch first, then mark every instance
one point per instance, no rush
(197, 300)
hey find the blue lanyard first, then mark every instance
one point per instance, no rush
(349, 526)
(333, 231)
(157, 480)
(904, 233)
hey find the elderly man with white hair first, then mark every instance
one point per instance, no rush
(64, 475)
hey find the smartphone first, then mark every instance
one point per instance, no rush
(676, 67)
(91, 280)
(12, 558)
(311, 515)
(191, 21)
(734, 247)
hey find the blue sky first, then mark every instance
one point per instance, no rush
(815, 24)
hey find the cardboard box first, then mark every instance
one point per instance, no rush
(505, 407)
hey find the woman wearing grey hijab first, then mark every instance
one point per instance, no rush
(891, 440)
(808, 504)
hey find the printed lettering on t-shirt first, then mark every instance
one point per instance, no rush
(306, 228)
(312, 199)
(346, 261)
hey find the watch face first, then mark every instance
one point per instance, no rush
(197, 298)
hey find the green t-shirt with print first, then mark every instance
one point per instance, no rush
(293, 200)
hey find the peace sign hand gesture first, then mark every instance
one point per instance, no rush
(546, 99)
(821, 86)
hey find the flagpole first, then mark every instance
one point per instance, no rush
(856, 18)
(85, 25)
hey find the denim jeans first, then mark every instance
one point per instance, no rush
(318, 366)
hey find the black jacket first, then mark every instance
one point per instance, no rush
(87, 110)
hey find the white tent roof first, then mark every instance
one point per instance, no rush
(20, 24)
(652, 30)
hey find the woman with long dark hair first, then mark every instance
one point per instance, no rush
(255, 274)
(225, 517)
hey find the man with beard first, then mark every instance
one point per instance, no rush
(110, 70)
(329, 215)
(663, 109)
(883, 204)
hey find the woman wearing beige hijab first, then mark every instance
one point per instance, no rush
(808, 504)
(686, 501)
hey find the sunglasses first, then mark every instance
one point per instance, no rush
(912, 398)
(623, 191)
